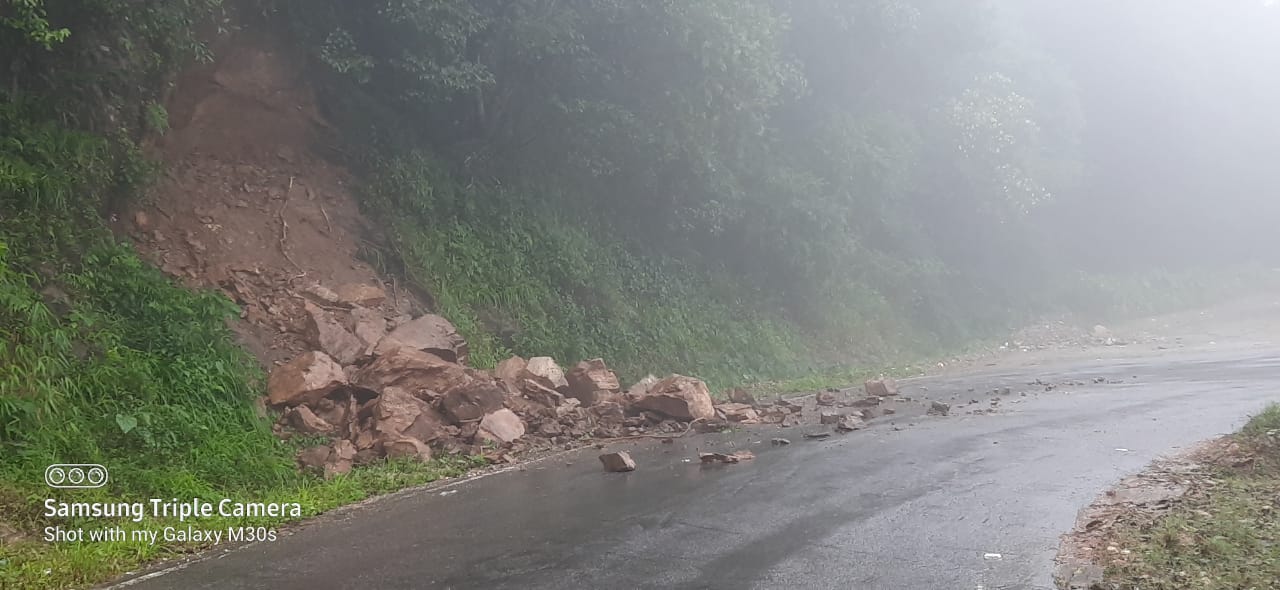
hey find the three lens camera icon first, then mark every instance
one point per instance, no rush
(75, 476)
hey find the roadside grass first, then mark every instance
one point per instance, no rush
(1224, 534)
(36, 563)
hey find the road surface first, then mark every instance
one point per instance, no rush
(957, 502)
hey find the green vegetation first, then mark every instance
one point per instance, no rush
(1219, 537)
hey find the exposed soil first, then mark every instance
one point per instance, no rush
(248, 205)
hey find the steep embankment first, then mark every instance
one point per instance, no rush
(248, 205)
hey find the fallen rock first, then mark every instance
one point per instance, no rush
(828, 417)
(726, 458)
(407, 447)
(849, 423)
(544, 371)
(313, 457)
(939, 409)
(608, 413)
(398, 414)
(780, 441)
(429, 333)
(341, 459)
(590, 380)
(369, 327)
(679, 397)
(302, 419)
(882, 387)
(742, 413)
(471, 401)
(421, 373)
(361, 294)
(304, 380)
(618, 462)
(817, 435)
(826, 398)
(639, 389)
(541, 395)
(511, 370)
(502, 426)
(321, 294)
(324, 332)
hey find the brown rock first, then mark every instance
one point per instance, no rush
(502, 426)
(407, 447)
(826, 398)
(321, 294)
(680, 397)
(608, 413)
(848, 423)
(544, 371)
(429, 333)
(304, 380)
(334, 412)
(618, 462)
(541, 395)
(313, 457)
(511, 370)
(323, 331)
(398, 414)
(882, 387)
(639, 389)
(302, 419)
(589, 379)
(369, 327)
(420, 373)
(361, 294)
(743, 413)
(472, 401)
(340, 460)
(939, 409)
(141, 221)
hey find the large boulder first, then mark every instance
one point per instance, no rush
(544, 371)
(511, 370)
(398, 414)
(421, 373)
(304, 380)
(326, 333)
(679, 397)
(429, 333)
(591, 380)
(302, 419)
(471, 401)
(341, 459)
(369, 327)
(408, 447)
(882, 387)
(501, 426)
(361, 294)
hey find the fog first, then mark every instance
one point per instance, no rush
(1180, 130)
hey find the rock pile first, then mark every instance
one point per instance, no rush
(401, 388)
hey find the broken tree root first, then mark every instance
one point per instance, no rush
(284, 234)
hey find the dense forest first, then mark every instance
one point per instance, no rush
(742, 190)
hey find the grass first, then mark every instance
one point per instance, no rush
(104, 360)
(1224, 534)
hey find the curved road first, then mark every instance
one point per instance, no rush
(928, 506)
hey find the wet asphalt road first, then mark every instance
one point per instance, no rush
(917, 508)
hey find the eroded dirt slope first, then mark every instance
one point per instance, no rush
(248, 204)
